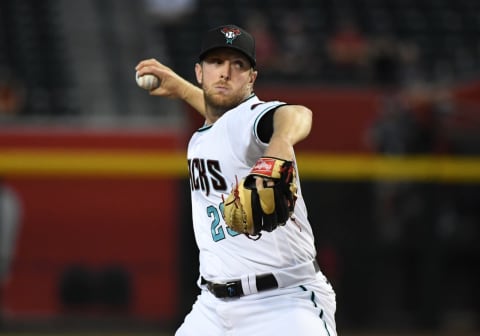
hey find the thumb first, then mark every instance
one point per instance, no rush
(259, 182)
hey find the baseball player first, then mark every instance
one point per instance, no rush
(258, 272)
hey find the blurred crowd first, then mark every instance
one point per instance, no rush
(414, 54)
(416, 62)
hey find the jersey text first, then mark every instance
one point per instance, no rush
(206, 174)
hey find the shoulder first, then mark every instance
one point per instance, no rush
(255, 104)
(265, 106)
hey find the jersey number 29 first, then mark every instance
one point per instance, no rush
(217, 229)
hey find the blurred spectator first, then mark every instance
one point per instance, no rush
(413, 120)
(411, 70)
(394, 63)
(395, 131)
(385, 62)
(12, 95)
(434, 109)
(297, 50)
(266, 44)
(170, 11)
(10, 221)
(347, 48)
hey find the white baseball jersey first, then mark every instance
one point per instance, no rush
(218, 155)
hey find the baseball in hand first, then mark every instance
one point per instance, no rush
(147, 81)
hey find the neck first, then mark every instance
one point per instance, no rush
(214, 111)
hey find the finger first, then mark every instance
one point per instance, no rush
(141, 64)
(147, 62)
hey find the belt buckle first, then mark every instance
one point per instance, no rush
(228, 289)
(231, 288)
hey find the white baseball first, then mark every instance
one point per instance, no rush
(147, 81)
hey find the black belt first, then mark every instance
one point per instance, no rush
(233, 289)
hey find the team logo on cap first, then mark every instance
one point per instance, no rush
(230, 33)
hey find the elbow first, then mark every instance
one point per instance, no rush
(307, 120)
(293, 122)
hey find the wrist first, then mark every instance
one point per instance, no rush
(280, 148)
(186, 92)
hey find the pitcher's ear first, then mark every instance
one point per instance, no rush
(198, 72)
(253, 76)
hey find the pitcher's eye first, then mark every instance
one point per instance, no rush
(239, 64)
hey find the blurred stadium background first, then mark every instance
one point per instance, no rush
(95, 232)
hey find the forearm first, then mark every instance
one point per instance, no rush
(280, 148)
(193, 96)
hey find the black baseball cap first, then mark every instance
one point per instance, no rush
(229, 36)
